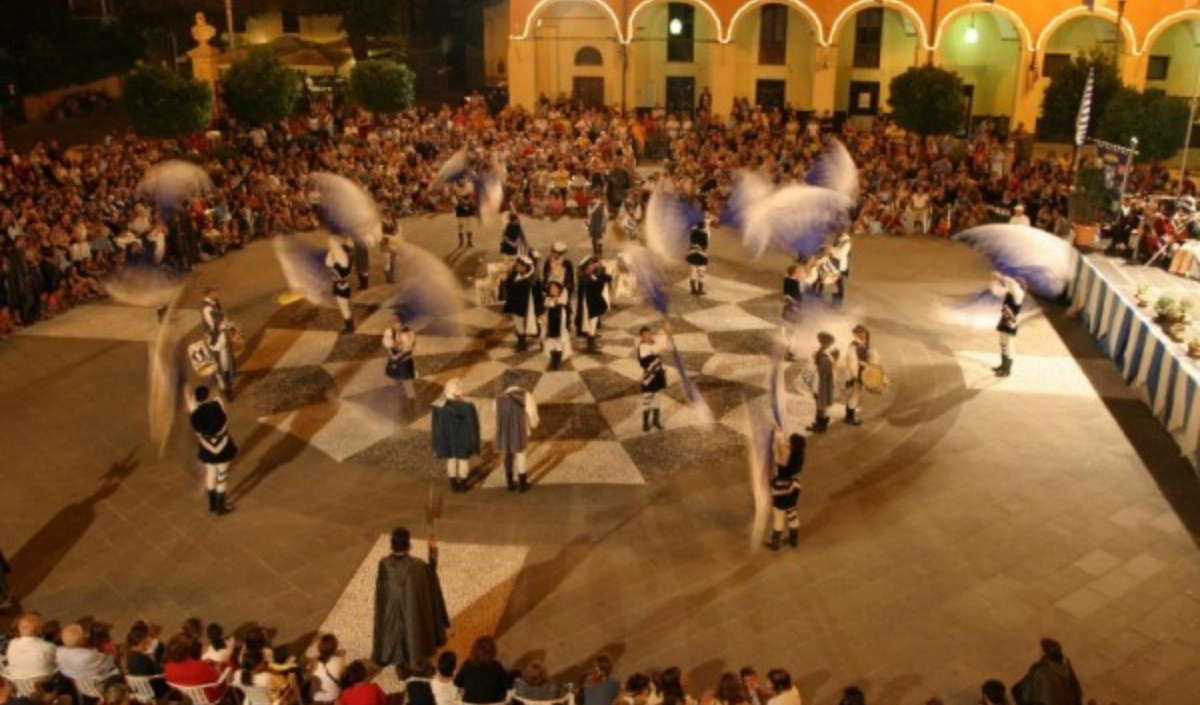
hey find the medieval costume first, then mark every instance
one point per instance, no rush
(557, 268)
(338, 262)
(362, 263)
(512, 240)
(697, 257)
(212, 315)
(592, 300)
(221, 350)
(785, 489)
(522, 300)
(654, 375)
(840, 254)
(393, 235)
(822, 380)
(216, 449)
(858, 356)
(465, 210)
(1010, 309)
(455, 434)
(597, 221)
(793, 296)
(516, 417)
(410, 611)
(399, 341)
(556, 326)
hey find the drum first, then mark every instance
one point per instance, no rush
(237, 340)
(874, 380)
(201, 358)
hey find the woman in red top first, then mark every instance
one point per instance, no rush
(357, 691)
(184, 667)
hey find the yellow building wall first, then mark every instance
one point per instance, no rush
(797, 70)
(495, 43)
(566, 28)
(1181, 42)
(648, 65)
(268, 26)
(1082, 35)
(992, 64)
(897, 56)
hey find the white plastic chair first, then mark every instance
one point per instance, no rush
(256, 695)
(89, 688)
(27, 687)
(141, 688)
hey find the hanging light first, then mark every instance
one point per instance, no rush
(972, 35)
(675, 27)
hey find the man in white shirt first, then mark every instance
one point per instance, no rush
(29, 655)
(78, 661)
(1019, 217)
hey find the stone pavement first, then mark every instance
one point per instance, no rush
(966, 518)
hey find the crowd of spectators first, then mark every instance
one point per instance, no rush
(68, 216)
(46, 662)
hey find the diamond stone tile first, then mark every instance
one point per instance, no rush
(291, 348)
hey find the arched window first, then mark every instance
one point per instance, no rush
(588, 56)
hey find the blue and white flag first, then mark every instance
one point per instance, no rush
(1085, 110)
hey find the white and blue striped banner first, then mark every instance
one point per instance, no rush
(1085, 110)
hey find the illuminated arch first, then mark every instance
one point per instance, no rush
(813, 20)
(852, 9)
(644, 3)
(1053, 25)
(543, 4)
(1006, 13)
(1166, 23)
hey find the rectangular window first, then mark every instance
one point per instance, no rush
(1053, 62)
(681, 32)
(1156, 69)
(291, 21)
(772, 37)
(868, 38)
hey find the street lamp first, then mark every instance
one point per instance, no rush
(229, 24)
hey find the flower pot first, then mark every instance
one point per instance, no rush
(1085, 235)
(1177, 332)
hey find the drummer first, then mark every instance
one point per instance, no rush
(858, 356)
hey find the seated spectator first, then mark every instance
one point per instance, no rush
(599, 686)
(782, 690)
(638, 690)
(79, 661)
(327, 670)
(672, 688)
(535, 684)
(418, 688)
(754, 691)
(220, 650)
(853, 695)
(729, 691)
(185, 667)
(255, 671)
(143, 656)
(482, 679)
(8, 695)
(445, 692)
(115, 693)
(357, 690)
(29, 655)
(993, 693)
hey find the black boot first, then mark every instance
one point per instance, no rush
(700, 288)
(692, 286)
(793, 537)
(469, 242)
(591, 344)
(524, 482)
(454, 484)
(997, 368)
(223, 507)
(522, 346)
(212, 501)
(1005, 368)
(852, 417)
(819, 425)
(461, 240)
(655, 416)
(508, 472)
(348, 326)
(645, 421)
(773, 542)
(555, 359)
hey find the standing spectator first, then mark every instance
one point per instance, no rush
(1050, 681)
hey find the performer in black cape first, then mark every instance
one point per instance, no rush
(593, 300)
(697, 256)
(523, 300)
(217, 450)
(410, 612)
(338, 262)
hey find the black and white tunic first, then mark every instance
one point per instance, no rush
(464, 200)
(654, 377)
(1010, 309)
(339, 269)
(793, 296)
(593, 299)
(523, 301)
(398, 341)
(212, 314)
(512, 241)
(210, 424)
(697, 255)
(785, 491)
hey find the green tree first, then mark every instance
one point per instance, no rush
(382, 86)
(161, 103)
(1060, 105)
(1158, 120)
(928, 100)
(260, 89)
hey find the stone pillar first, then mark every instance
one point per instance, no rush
(723, 80)
(1133, 70)
(824, 81)
(1027, 103)
(522, 74)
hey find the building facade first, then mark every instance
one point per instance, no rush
(836, 55)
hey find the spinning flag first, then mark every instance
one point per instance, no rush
(761, 466)
(669, 222)
(490, 192)
(835, 170)
(345, 208)
(171, 184)
(981, 310)
(303, 267)
(143, 285)
(426, 289)
(795, 219)
(453, 168)
(166, 377)
(1045, 262)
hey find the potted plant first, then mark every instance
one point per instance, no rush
(1142, 295)
(1087, 203)
(1193, 348)
(1177, 332)
(1162, 307)
(1185, 309)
